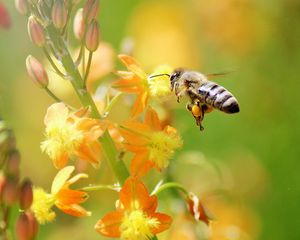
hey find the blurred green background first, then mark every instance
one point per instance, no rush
(256, 151)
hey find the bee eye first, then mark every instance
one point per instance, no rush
(174, 75)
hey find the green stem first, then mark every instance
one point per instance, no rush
(51, 94)
(88, 67)
(170, 185)
(53, 64)
(112, 156)
(154, 238)
(100, 187)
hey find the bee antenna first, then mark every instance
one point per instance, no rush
(163, 74)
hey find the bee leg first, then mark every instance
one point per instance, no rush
(197, 113)
(178, 93)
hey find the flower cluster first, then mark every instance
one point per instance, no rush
(140, 140)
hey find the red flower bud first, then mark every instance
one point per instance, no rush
(92, 36)
(26, 194)
(5, 20)
(198, 210)
(90, 10)
(23, 229)
(22, 6)
(2, 182)
(33, 224)
(13, 163)
(59, 14)
(10, 192)
(37, 72)
(36, 32)
(79, 24)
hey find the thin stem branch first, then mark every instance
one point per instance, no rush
(83, 61)
(168, 185)
(101, 187)
(112, 156)
(87, 71)
(53, 64)
(51, 94)
(78, 60)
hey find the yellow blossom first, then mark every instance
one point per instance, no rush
(152, 144)
(71, 134)
(144, 86)
(64, 198)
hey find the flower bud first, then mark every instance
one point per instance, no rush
(22, 6)
(10, 192)
(26, 194)
(79, 25)
(59, 14)
(33, 224)
(5, 21)
(2, 182)
(92, 36)
(13, 163)
(23, 229)
(198, 210)
(37, 72)
(36, 32)
(90, 10)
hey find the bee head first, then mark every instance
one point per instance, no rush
(175, 77)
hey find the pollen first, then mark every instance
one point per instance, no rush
(162, 147)
(41, 206)
(62, 138)
(159, 86)
(136, 225)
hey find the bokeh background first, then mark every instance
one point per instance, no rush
(246, 166)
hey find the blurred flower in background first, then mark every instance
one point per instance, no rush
(167, 39)
(5, 20)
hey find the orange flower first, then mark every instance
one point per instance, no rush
(135, 217)
(136, 81)
(152, 144)
(71, 134)
(64, 198)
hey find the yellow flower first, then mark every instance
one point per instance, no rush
(138, 82)
(71, 134)
(64, 198)
(152, 144)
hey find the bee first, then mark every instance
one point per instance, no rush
(204, 95)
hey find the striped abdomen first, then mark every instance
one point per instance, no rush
(218, 97)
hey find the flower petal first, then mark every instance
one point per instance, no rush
(129, 84)
(134, 194)
(74, 210)
(152, 119)
(109, 225)
(140, 164)
(76, 178)
(132, 65)
(68, 196)
(90, 152)
(60, 161)
(165, 222)
(57, 111)
(140, 104)
(60, 179)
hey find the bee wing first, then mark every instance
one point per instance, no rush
(219, 74)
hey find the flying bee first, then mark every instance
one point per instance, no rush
(204, 95)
